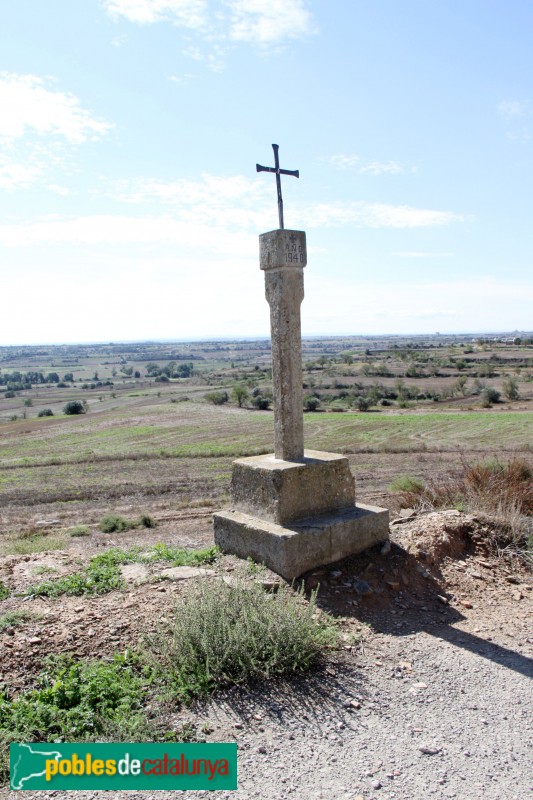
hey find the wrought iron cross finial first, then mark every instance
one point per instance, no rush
(277, 171)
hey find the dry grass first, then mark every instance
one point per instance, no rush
(502, 490)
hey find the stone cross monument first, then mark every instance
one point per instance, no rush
(294, 509)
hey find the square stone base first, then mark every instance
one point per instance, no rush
(284, 491)
(294, 549)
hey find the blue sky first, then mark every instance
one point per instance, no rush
(129, 132)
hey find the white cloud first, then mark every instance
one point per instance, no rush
(215, 213)
(29, 106)
(511, 110)
(39, 127)
(345, 161)
(265, 23)
(269, 21)
(16, 176)
(183, 13)
(376, 215)
(380, 168)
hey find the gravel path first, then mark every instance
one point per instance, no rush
(439, 713)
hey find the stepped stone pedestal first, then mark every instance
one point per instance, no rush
(294, 509)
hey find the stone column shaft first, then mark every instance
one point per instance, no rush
(283, 256)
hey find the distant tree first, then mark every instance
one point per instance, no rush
(362, 403)
(137, 374)
(489, 395)
(28, 402)
(261, 402)
(510, 389)
(52, 377)
(74, 407)
(45, 412)
(460, 384)
(240, 394)
(217, 398)
(185, 370)
(152, 369)
(68, 376)
(311, 402)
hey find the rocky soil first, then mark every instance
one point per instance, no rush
(430, 696)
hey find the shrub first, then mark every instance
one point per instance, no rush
(84, 700)
(4, 591)
(79, 530)
(9, 394)
(45, 412)
(510, 389)
(74, 407)
(240, 393)
(311, 403)
(146, 521)
(112, 522)
(261, 402)
(217, 398)
(223, 635)
(362, 403)
(15, 618)
(489, 395)
(504, 491)
(406, 483)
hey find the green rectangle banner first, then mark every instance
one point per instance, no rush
(62, 766)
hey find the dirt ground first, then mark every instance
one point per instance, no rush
(428, 697)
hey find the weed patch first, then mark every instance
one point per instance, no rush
(79, 530)
(4, 591)
(103, 575)
(407, 484)
(14, 618)
(32, 544)
(223, 635)
(80, 701)
(112, 523)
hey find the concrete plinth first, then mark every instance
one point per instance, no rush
(295, 548)
(284, 491)
(295, 516)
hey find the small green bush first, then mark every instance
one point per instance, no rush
(510, 389)
(261, 402)
(84, 701)
(4, 591)
(217, 398)
(45, 412)
(146, 521)
(406, 483)
(14, 618)
(489, 395)
(362, 403)
(223, 635)
(79, 530)
(311, 403)
(112, 522)
(74, 407)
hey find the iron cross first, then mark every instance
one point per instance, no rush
(277, 171)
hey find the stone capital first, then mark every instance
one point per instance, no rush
(282, 249)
